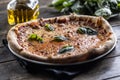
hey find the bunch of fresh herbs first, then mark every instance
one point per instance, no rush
(104, 8)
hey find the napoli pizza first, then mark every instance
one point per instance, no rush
(64, 39)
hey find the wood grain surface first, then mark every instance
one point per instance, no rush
(107, 69)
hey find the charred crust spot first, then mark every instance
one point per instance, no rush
(55, 19)
(51, 21)
(41, 19)
(34, 25)
(62, 20)
(41, 22)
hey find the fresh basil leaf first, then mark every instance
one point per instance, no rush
(82, 30)
(118, 5)
(67, 4)
(57, 2)
(33, 36)
(76, 7)
(49, 27)
(89, 7)
(65, 49)
(36, 38)
(39, 39)
(86, 30)
(105, 12)
(60, 38)
(91, 31)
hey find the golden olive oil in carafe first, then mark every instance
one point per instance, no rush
(22, 10)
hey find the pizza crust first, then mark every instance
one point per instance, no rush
(109, 43)
(13, 43)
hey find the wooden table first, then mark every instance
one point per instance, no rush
(107, 69)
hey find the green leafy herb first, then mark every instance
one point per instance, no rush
(49, 27)
(105, 12)
(104, 8)
(33, 36)
(60, 38)
(86, 30)
(82, 30)
(118, 5)
(65, 49)
(39, 39)
(91, 31)
(67, 4)
(36, 37)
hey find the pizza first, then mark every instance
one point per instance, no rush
(64, 39)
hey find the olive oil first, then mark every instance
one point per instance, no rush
(22, 10)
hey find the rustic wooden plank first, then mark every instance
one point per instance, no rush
(13, 71)
(5, 55)
(116, 51)
(115, 20)
(1, 38)
(107, 68)
(113, 78)
(3, 23)
(103, 70)
(44, 2)
(3, 4)
(116, 29)
(48, 12)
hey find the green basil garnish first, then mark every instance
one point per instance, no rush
(36, 37)
(33, 36)
(82, 30)
(91, 31)
(39, 39)
(49, 27)
(60, 38)
(86, 30)
(65, 49)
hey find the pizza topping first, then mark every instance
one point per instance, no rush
(40, 39)
(36, 37)
(33, 36)
(86, 30)
(65, 49)
(60, 38)
(81, 30)
(49, 27)
(91, 31)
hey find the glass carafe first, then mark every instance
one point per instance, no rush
(22, 10)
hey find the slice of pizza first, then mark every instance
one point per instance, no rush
(64, 39)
